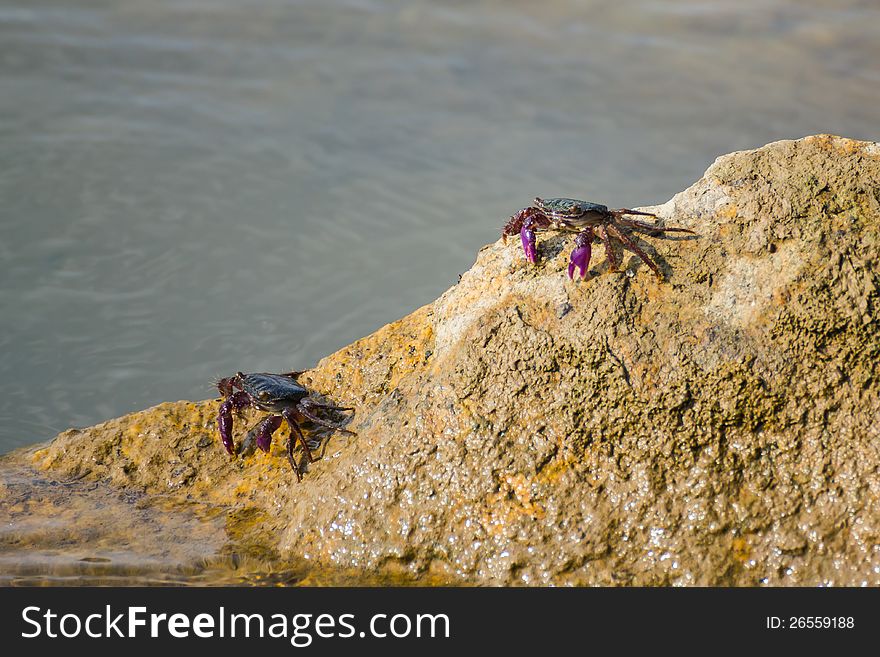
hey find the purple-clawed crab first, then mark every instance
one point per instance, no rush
(588, 220)
(283, 397)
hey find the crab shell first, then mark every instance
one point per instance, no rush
(572, 211)
(272, 392)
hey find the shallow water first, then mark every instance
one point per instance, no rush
(190, 188)
(54, 533)
(74, 533)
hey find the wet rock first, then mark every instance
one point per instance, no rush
(718, 428)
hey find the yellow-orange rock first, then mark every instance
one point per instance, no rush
(722, 427)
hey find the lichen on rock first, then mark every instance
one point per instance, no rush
(718, 428)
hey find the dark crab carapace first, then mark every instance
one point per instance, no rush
(588, 220)
(284, 398)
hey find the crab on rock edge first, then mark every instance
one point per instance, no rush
(283, 397)
(588, 220)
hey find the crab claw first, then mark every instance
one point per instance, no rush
(238, 401)
(527, 235)
(265, 430)
(580, 257)
(224, 424)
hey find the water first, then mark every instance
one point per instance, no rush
(86, 533)
(194, 187)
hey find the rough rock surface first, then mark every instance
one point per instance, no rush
(719, 428)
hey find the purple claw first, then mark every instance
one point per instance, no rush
(265, 430)
(238, 401)
(528, 242)
(224, 424)
(580, 257)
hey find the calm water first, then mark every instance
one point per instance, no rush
(194, 187)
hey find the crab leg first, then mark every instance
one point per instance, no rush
(305, 407)
(619, 234)
(514, 224)
(660, 229)
(314, 403)
(236, 401)
(628, 211)
(613, 262)
(295, 434)
(294, 374)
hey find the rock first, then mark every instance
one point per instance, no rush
(719, 428)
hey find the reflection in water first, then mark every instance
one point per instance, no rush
(84, 533)
(194, 188)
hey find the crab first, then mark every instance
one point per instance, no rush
(284, 398)
(588, 220)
